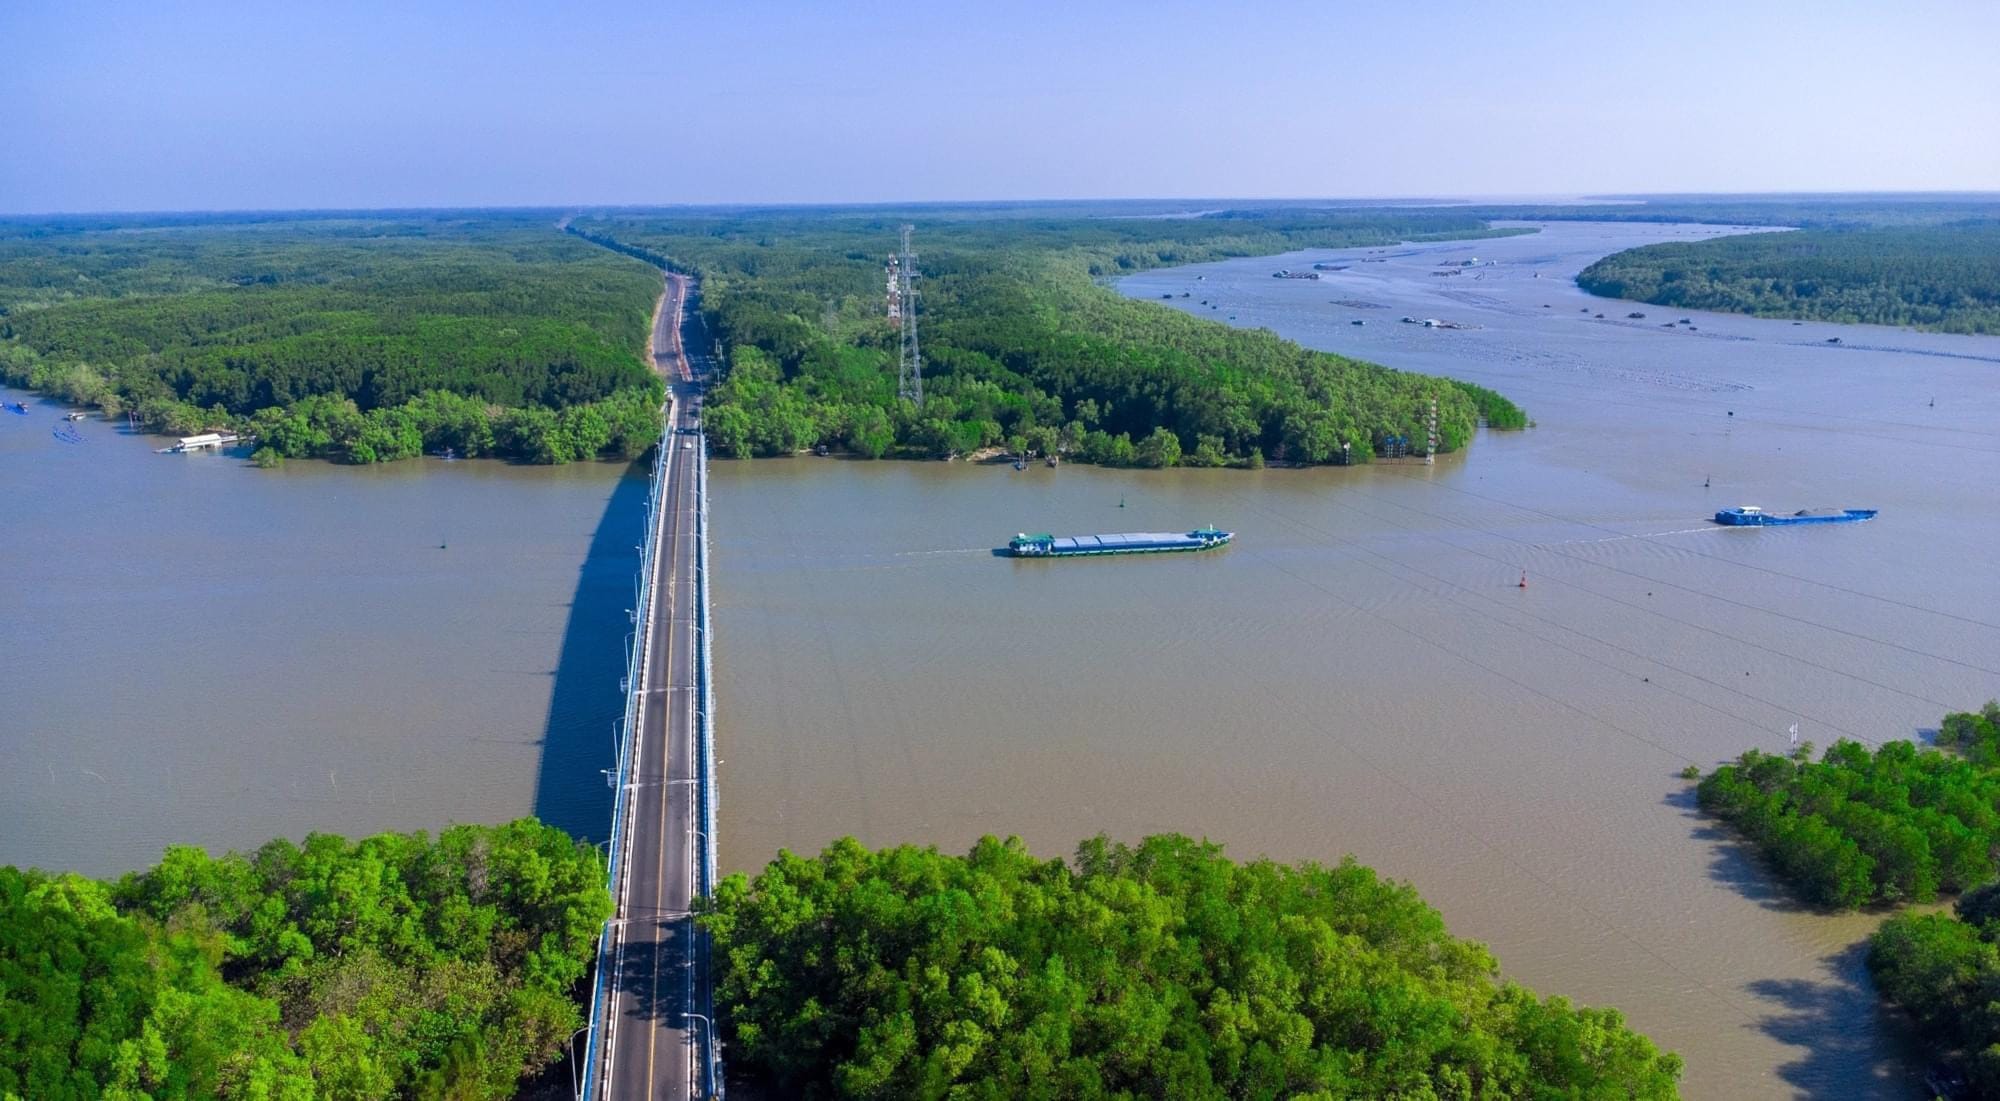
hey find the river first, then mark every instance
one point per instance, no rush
(1361, 672)
(200, 651)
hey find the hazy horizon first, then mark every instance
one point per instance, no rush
(212, 107)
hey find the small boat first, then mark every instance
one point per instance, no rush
(1050, 462)
(74, 417)
(1833, 340)
(1020, 464)
(1750, 516)
(20, 407)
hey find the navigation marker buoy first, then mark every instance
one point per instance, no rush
(1524, 579)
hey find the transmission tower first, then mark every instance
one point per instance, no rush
(1431, 428)
(910, 374)
(895, 281)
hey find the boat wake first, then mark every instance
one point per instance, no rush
(1636, 535)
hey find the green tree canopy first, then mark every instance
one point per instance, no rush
(396, 966)
(1022, 341)
(1158, 970)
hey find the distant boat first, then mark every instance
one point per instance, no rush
(1750, 516)
(1833, 340)
(1137, 542)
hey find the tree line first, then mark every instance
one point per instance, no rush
(1854, 828)
(372, 329)
(1942, 277)
(400, 966)
(1900, 824)
(1944, 970)
(1025, 348)
(1157, 970)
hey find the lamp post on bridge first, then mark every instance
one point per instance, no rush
(569, 1045)
(710, 1059)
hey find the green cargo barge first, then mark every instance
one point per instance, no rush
(1131, 542)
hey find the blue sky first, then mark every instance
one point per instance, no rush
(202, 106)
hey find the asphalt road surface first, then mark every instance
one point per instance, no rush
(655, 1040)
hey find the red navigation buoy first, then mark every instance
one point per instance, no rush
(1524, 579)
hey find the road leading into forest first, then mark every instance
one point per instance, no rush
(654, 1033)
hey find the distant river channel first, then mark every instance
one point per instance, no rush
(199, 651)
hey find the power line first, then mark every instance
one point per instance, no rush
(1550, 548)
(1647, 658)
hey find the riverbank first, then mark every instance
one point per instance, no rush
(1933, 278)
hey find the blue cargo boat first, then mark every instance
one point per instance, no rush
(1750, 516)
(1131, 542)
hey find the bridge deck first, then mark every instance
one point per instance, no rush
(650, 1037)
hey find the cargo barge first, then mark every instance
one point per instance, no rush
(1750, 516)
(1131, 542)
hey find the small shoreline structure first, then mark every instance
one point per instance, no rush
(206, 441)
(1045, 545)
(1436, 323)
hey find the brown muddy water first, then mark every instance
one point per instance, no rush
(193, 650)
(1360, 673)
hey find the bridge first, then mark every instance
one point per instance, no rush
(651, 1032)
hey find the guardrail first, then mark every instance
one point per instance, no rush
(635, 647)
(705, 749)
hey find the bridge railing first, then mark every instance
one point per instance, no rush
(635, 655)
(705, 748)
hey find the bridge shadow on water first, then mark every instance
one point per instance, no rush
(578, 740)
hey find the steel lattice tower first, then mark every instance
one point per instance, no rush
(910, 375)
(1431, 432)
